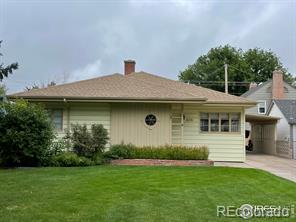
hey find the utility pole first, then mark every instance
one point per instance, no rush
(226, 77)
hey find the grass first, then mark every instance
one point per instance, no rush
(116, 193)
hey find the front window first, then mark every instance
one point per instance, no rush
(204, 122)
(214, 122)
(261, 107)
(56, 117)
(235, 122)
(220, 122)
(224, 122)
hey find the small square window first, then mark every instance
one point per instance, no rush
(261, 107)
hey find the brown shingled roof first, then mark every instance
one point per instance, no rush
(135, 86)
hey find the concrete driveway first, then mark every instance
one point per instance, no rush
(279, 166)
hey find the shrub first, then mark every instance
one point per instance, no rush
(89, 143)
(69, 159)
(170, 152)
(25, 134)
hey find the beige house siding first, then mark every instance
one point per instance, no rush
(128, 124)
(125, 123)
(82, 113)
(222, 146)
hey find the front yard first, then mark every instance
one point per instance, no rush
(115, 193)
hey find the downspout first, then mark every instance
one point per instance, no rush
(182, 124)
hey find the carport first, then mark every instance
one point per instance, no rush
(263, 133)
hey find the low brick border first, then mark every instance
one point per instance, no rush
(157, 162)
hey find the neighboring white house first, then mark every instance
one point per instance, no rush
(273, 97)
(286, 127)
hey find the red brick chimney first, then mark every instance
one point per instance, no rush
(129, 66)
(277, 85)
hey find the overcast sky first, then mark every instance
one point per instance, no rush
(71, 40)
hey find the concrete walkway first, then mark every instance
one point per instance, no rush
(281, 167)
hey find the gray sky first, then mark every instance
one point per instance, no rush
(72, 40)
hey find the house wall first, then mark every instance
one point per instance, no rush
(284, 143)
(82, 113)
(222, 146)
(125, 123)
(264, 93)
(128, 124)
(283, 128)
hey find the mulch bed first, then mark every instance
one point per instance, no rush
(157, 162)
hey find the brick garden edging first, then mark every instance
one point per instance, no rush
(157, 162)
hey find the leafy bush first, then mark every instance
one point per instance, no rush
(25, 134)
(58, 146)
(69, 159)
(89, 143)
(169, 152)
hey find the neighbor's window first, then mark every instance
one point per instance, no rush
(220, 122)
(214, 122)
(56, 116)
(235, 122)
(261, 107)
(204, 122)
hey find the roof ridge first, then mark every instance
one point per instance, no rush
(252, 90)
(171, 88)
(186, 85)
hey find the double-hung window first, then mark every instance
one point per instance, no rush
(56, 117)
(220, 122)
(261, 106)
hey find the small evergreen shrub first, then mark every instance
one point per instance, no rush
(169, 152)
(88, 143)
(25, 134)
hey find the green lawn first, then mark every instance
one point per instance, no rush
(115, 193)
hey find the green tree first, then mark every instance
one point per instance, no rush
(254, 65)
(25, 134)
(2, 90)
(5, 70)
(261, 63)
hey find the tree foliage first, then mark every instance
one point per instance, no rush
(25, 134)
(253, 65)
(8, 69)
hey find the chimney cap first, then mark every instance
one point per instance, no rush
(129, 61)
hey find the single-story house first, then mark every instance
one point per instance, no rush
(145, 109)
(286, 126)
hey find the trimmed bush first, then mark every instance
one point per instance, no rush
(168, 152)
(88, 143)
(25, 134)
(70, 159)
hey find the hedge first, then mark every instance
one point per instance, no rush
(168, 152)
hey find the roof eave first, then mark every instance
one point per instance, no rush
(105, 99)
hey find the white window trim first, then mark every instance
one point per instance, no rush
(258, 106)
